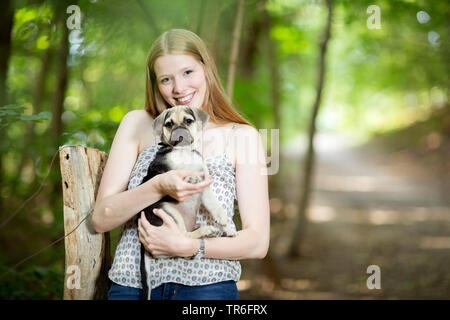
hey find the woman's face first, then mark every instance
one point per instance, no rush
(181, 80)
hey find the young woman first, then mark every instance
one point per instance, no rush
(180, 70)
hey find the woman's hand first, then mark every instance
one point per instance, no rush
(166, 240)
(172, 183)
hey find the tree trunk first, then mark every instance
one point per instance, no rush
(274, 75)
(249, 46)
(235, 48)
(38, 96)
(6, 22)
(209, 18)
(61, 85)
(300, 220)
(58, 99)
(88, 256)
(270, 265)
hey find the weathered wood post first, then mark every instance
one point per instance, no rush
(88, 256)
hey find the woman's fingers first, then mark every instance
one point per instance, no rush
(166, 218)
(197, 187)
(143, 224)
(176, 186)
(194, 186)
(188, 173)
(192, 189)
(145, 227)
(143, 234)
(142, 239)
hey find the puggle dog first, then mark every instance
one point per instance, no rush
(179, 128)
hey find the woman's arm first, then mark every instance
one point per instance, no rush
(253, 199)
(252, 242)
(114, 204)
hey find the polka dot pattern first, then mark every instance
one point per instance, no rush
(126, 266)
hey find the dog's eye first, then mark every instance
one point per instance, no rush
(188, 121)
(168, 124)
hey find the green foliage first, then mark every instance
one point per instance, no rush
(12, 113)
(36, 282)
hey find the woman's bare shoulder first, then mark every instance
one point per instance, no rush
(243, 126)
(242, 129)
(140, 115)
(142, 123)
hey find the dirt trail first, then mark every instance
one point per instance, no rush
(366, 209)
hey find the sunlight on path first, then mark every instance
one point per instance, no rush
(362, 212)
(367, 190)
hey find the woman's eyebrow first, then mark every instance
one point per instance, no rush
(180, 70)
(186, 68)
(162, 76)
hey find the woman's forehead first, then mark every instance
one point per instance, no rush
(173, 63)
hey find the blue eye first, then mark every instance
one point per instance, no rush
(188, 72)
(164, 80)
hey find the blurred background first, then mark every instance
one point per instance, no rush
(366, 81)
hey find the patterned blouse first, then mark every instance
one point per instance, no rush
(126, 266)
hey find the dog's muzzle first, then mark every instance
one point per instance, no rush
(180, 137)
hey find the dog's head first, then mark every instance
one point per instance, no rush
(180, 125)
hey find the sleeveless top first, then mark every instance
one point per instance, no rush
(125, 269)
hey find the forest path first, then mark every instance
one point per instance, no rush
(367, 208)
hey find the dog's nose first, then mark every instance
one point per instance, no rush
(180, 136)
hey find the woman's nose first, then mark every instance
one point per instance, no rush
(178, 85)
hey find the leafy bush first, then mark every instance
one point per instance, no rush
(37, 282)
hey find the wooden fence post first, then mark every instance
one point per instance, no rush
(88, 256)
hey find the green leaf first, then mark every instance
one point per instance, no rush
(37, 118)
(11, 109)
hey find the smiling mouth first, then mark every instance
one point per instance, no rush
(186, 99)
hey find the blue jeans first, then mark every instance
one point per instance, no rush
(225, 290)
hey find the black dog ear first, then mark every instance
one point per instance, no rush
(202, 115)
(158, 123)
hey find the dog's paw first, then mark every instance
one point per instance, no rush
(221, 218)
(219, 215)
(229, 232)
(189, 179)
(209, 231)
(193, 179)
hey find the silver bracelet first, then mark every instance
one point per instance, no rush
(201, 251)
